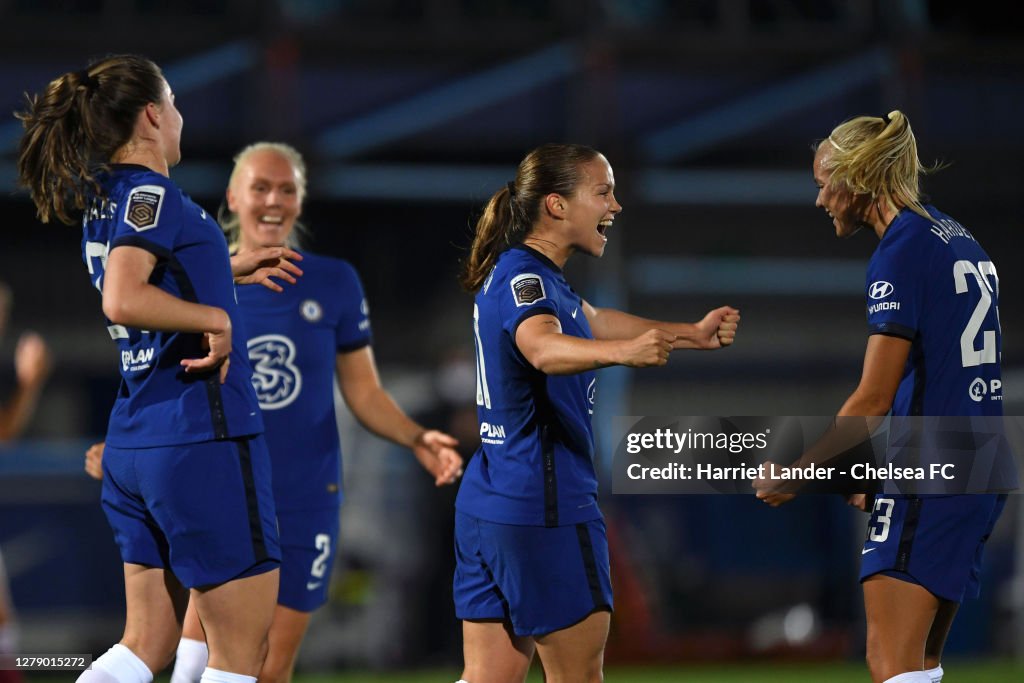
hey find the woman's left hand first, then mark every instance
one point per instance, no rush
(259, 265)
(435, 450)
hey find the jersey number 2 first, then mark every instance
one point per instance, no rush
(982, 272)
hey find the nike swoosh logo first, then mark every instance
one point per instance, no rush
(867, 550)
(312, 586)
(574, 312)
(202, 212)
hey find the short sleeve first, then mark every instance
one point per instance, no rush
(353, 329)
(150, 218)
(525, 295)
(895, 289)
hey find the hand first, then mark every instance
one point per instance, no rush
(436, 452)
(259, 265)
(717, 329)
(32, 361)
(859, 501)
(218, 346)
(649, 349)
(94, 460)
(768, 491)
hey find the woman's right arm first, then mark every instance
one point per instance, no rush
(129, 299)
(541, 341)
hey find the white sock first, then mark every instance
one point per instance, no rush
(910, 677)
(935, 674)
(117, 664)
(217, 676)
(91, 675)
(189, 661)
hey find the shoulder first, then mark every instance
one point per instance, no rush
(145, 196)
(134, 180)
(327, 266)
(909, 240)
(520, 279)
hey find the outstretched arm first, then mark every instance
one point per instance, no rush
(377, 411)
(860, 415)
(715, 330)
(541, 341)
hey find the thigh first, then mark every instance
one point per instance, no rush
(287, 630)
(155, 607)
(236, 617)
(214, 504)
(899, 616)
(493, 653)
(575, 653)
(309, 543)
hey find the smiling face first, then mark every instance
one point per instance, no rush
(266, 194)
(847, 209)
(592, 208)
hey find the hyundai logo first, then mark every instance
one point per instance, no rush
(880, 289)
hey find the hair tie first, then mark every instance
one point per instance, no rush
(835, 144)
(888, 119)
(90, 82)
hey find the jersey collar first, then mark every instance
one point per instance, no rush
(539, 256)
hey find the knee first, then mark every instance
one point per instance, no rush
(878, 666)
(262, 651)
(276, 670)
(883, 666)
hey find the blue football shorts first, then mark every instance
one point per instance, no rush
(541, 579)
(203, 510)
(309, 541)
(934, 541)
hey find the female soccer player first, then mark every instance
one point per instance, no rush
(934, 336)
(187, 474)
(532, 555)
(299, 341)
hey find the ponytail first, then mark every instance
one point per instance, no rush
(496, 231)
(74, 128)
(512, 211)
(878, 156)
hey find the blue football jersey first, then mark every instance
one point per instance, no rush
(158, 403)
(932, 283)
(535, 464)
(295, 338)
